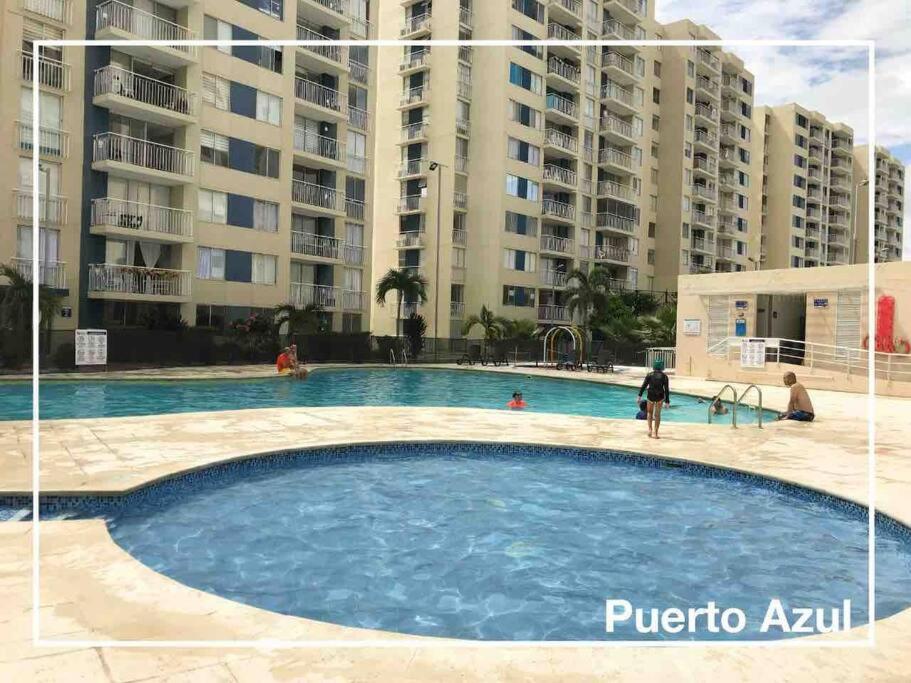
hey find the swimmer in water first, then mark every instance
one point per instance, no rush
(517, 402)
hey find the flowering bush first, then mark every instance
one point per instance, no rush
(257, 335)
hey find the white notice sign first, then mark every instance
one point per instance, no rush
(91, 347)
(752, 353)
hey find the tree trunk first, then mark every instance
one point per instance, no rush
(398, 318)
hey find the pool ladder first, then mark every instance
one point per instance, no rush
(737, 401)
(392, 358)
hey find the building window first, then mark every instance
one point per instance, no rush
(650, 257)
(216, 91)
(216, 29)
(522, 77)
(520, 224)
(744, 155)
(800, 181)
(522, 188)
(797, 221)
(800, 120)
(534, 50)
(213, 148)
(798, 201)
(800, 140)
(263, 269)
(530, 8)
(743, 179)
(656, 121)
(519, 150)
(690, 68)
(268, 108)
(265, 216)
(656, 96)
(213, 206)
(514, 259)
(689, 95)
(656, 68)
(800, 161)
(522, 113)
(518, 296)
(210, 263)
(265, 161)
(651, 229)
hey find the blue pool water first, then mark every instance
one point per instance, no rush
(355, 387)
(504, 542)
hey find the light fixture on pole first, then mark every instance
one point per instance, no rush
(853, 255)
(438, 167)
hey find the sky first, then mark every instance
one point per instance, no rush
(831, 81)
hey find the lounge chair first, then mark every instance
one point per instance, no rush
(473, 356)
(604, 362)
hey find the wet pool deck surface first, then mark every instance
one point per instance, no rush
(93, 590)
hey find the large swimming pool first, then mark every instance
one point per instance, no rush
(350, 387)
(505, 542)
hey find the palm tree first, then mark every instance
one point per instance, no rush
(16, 307)
(408, 284)
(588, 294)
(304, 320)
(520, 328)
(491, 324)
(659, 329)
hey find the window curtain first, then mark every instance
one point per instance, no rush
(151, 253)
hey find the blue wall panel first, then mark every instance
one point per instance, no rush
(240, 211)
(238, 266)
(243, 100)
(240, 155)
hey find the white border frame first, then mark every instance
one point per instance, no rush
(432, 642)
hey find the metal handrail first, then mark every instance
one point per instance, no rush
(733, 411)
(392, 357)
(744, 393)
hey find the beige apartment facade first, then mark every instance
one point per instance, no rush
(216, 182)
(808, 188)
(888, 188)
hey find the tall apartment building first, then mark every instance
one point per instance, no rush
(706, 219)
(212, 182)
(889, 205)
(537, 155)
(808, 187)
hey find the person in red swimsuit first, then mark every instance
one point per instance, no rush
(517, 402)
(283, 363)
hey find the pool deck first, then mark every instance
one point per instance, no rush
(93, 590)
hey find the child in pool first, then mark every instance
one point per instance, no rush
(517, 402)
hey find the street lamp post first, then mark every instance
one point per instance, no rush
(864, 183)
(438, 167)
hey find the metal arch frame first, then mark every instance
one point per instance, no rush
(553, 332)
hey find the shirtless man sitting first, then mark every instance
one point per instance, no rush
(800, 407)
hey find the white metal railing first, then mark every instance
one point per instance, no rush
(121, 213)
(615, 156)
(614, 221)
(50, 273)
(559, 32)
(153, 282)
(311, 244)
(330, 51)
(303, 294)
(561, 104)
(705, 192)
(459, 236)
(417, 23)
(611, 90)
(702, 244)
(827, 357)
(115, 80)
(415, 60)
(313, 194)
(553, 313)
(337, 6)
(460, 200)
(553, 278)
(354, 254)
(465, 53)
(413, 167)
(557, 138)
(608, 188)
(666, 354)
(572, 6)
(410, 239)
(706, 137)
(619, 126)
(611, 252)
(308, 142)
(410, 202)
(707, 58)
(355, 208)
(706, 111)
(457, 309)
(552, 207)
(463, 89)
(358, 118)
(51, 72)
(703, 218)
(145, 153)
(559, 174)
(59, 10)
(461, 164)
(320, 95)
(707, 164)
(52, 142)
(465, 17)
(415, 131)
(559, 245)
(416, 95)
(52, 209)
(353, 301)
(710, 86)
(610, 58)
(356, 164)
(118, 15)
(612, 27)
(557, 66)
(358, 71)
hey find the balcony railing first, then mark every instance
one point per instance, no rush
(359, 72)
(355, 208)
(610, 252)
(421, 22)
(613, 221)
(337, 6)
(120, 213)
(557, 138)
(559, 245)
(612, 27)
(52, 142)
(465, 17)
(463, 89)
(608, 188)
(145, 25)
(561, 104)
(703, 218)
(358, 118)
(552, 207)
(705, 192)
(557, 66)
(612, 155)
(145, 153)
(560, 175)
(50, 273)
(413, 167)
(51, 73)
(553, 313)
(51, 208)
(611, 90)
(574, 7)
(354, 254)
(416, 95)
(702, 244)
(415, 131)
(356, 164)
(150, 282)
(311, 244)
(559, 32)
(303, 295)
(308, 142)
(553, 278)
(706, 138)
(410, 240)
(460, 200)
(313, 194)
(457, 309)
(353, 301)
(410, 202)
(611, 59)
(58, 10)
(706, 111)
(614, 125)
(115, 80)
(459, 237)
(710, 60)
(710, 86)
(414, 60)
(320, 95)
(706, 164)
(461, 164)
(330, 51)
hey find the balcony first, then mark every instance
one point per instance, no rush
(563, 70)
(730, 133)
(608, 188)
(617, 130)
(570, 9)
(705, 166)
(556, 139)
(142, 159)
(413, 167)
(353, 301)
(52, 142)
(331, 54)
(618, 98)
(325, 151)
(563, 33)
(465, 17)
(612, 29)
(460, 201)
(611, 253)
(415, 61)
(327, 99)
(317, 246)
(457, 309)
(708, 193)
(620, 69)
(52, 209)
(358, 72)
(137, 283)
(51, 73)
(559, 210)
(702, 218)
(416, 26)
(612, 221)
(141, 97)
(358, 118)
(461, 164)
(631, 11)
(316, 196)
(332, 13)
(58, 10)
(553, 314)
(354, 255)
(460, 237)
(50, 273)
(706, 246)
(709, 86)
(463, 89)
(134, 220)
(615, 158)
(562, 107)
(413, 239)
(305, 294)
(560, 176)
(417, 96)
(410, 204)
(553, 278)
(706, 61)
(557, 245)
(115, 20)
(701, 268)
(355, 209)
(707, 114)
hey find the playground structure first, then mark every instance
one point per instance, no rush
(553, 335)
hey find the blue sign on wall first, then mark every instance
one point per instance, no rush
(740, 304)
(740, 327)
(820, 303)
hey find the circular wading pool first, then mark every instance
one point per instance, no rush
(496, 542)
